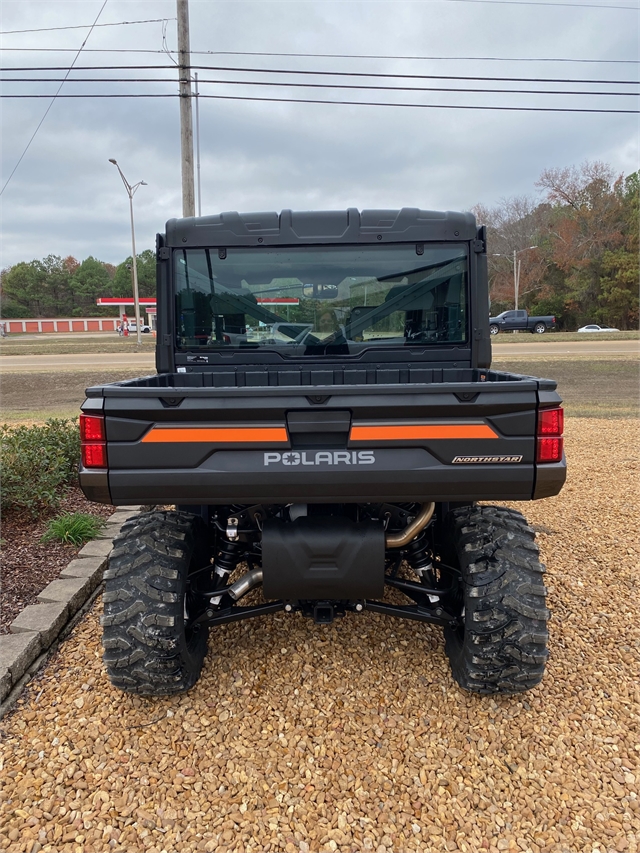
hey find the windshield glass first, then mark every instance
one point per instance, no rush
(309, 301)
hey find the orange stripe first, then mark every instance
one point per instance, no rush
(417, 431)
(217, 435)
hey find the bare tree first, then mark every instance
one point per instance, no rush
(586, 212)
(514, 225)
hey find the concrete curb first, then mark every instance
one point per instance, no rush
(37, 628)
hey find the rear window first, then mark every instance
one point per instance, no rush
(314, 300)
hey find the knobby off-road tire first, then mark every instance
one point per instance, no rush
(147, 649)
(502, 647)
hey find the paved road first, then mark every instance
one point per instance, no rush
(146, 361)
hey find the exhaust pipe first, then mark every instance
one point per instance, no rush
(393, 540)
(399, 540)
(245, 583)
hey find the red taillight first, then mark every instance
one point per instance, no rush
(549, 439)
(93, 440)
(92, 428)
(551, 422)
(550, 449)
(94, 455)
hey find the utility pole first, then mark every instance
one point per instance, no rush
(186, 121)
(198, 147)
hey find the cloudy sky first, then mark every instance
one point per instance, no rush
(66, 198)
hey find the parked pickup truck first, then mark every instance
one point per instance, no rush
(315, 469)
(511, 321)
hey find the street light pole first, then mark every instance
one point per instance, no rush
(131, 191)
(516, 270)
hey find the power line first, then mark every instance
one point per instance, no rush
(535, 3)
(406, 76)
(52, 100)
(345, 103)
(98, 95)
(317, 86)
(332, 55)
(293, 72)
(429, 58)
(85, 26)
(419, 106)
(489, 2)
(89, 68)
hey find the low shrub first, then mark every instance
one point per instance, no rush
(36, 462)
(73, 528)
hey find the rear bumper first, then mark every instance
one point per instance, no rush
(550, 479)
(403, 474)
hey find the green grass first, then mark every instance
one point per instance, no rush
(30, 416)
(562, 337)
(73, 528)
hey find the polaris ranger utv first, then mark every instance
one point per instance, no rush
(324, 421)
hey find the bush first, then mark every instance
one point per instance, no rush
(36, 462)
(73, 528)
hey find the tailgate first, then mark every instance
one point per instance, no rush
(441, 441)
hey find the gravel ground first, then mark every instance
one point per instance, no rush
(354, 736)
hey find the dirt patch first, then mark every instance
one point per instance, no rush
(69, 344)
(603, 388)
(28, 565)
(37, 396)
(590, 387)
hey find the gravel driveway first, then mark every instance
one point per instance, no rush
(354, 736)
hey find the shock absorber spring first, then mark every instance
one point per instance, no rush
(417, 555)
(227, 559)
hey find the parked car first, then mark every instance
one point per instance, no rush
(513, 321)
(593, 328)
(133, 328)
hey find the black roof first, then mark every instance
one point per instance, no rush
(325, 226)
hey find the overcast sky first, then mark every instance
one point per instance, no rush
(65, 198)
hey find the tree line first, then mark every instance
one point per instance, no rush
(576, 250)
(576, 257)
(66, 287)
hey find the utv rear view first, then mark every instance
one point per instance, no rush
(323, 425)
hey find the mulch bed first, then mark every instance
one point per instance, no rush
(28, 565)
